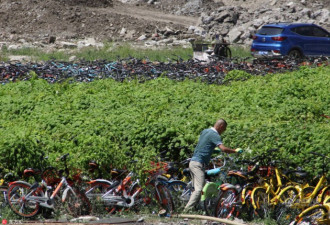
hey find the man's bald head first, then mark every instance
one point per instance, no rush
(220, 125)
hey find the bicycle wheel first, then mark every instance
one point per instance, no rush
(285, 211)
(226, 204)
(18, 196)
(289, 197)
(77, 203)
(227, 52)
(177, 189)
(307, 192)
(164, 198)
(210, 203)
(210, 194)
(325, 194)
(247, 212)
(3, 196)
(94, 194)
(260, 201)
(311, 216)
(132, 203)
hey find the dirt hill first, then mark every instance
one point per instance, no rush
(37, 20)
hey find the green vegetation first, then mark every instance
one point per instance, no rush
(110, 51)
(240, 51)
(104, 119)
(113, 51)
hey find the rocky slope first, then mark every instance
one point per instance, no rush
(156, 22)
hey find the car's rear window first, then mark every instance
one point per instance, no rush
(270, 31)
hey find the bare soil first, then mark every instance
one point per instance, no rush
(34, 20)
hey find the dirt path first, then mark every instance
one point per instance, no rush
(149, 14)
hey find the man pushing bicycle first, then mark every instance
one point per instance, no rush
(208, 140)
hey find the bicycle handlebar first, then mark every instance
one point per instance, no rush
(64, 157)
(319, 154)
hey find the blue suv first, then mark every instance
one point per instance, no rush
(291, 39)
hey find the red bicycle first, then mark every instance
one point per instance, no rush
(129, 194)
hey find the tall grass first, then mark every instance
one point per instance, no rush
(240, 51)
(113, 51)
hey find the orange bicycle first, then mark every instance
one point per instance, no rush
(26, 200)
(128, 193)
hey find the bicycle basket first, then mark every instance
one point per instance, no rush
(158, 168)
(270, 171)
(263, 171)
(50, 176)
(75, 174)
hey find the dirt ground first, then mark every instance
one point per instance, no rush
(35, 20)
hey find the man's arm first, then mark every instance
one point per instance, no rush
(226, 149)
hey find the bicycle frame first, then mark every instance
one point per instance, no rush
(271, 192)
(48, 201)
(304, 200)
(325, 217)
(120, 194)
(211, 189)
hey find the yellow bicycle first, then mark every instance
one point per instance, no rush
(316, 214)
(301, 196)
(265, 196)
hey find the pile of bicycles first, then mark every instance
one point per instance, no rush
(142, 70)
(268, 189)
(260, 187)
(68, 190)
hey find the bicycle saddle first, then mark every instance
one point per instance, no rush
(227, 186)
(186, 172)
(298, 174)
(30, 172)
(172, 168)
(238, 173)
(212, 172)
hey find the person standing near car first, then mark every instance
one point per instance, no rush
(208, 140)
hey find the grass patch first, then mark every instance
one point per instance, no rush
(240, 51)
(112, 51)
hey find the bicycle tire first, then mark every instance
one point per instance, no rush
(289, 197)
(247, 207)
(226, 204)
(3, 197)
(177, 188)
(227, 52)
(18, 202)
(209, 204)
(260, 202)
(94, 194)
(164, 198)
(325, 193)
(311, 215)
(307, 192)
(113, 209)
(135, 189)
(77, 203)
(285, 211)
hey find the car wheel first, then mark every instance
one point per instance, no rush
(296, 54)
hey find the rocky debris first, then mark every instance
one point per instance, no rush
(89, 3)
(238, 24)
(90, 22)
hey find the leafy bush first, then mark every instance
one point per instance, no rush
(103, 120)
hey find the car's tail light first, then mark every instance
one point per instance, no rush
(254, 37)
(253, 50)
(276, 51)
(279, 38)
